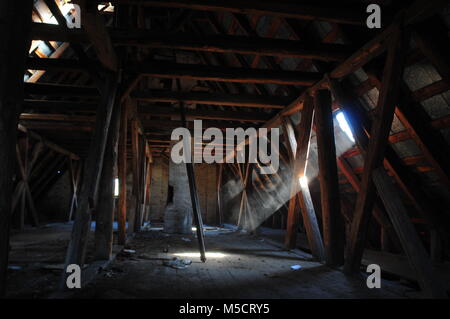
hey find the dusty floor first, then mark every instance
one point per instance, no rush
(246, 267)
(241, 266)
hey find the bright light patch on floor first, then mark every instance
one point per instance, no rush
(208, 255)
(116, 187)
(303, 181)
(343, 124)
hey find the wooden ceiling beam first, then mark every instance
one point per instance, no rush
(51, 89)
(149, 112)
(162, 69)
(353, 15)
(241, 100)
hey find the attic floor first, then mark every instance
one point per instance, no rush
(248, 267)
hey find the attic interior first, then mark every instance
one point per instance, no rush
(359, 175)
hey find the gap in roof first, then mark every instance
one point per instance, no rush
(343, 124)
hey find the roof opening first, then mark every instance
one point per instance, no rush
(343, 124)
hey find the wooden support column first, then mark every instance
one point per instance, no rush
(106, 201)
(301, 192)
(333, 225)
(417, 255)
(91, 177)
(122, 170)
(15, 17)
(136, 176)
(392, 74)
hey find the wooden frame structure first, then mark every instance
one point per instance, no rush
(110, 100)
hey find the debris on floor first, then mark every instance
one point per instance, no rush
(296, 267)
(185, 239)
(178, 263)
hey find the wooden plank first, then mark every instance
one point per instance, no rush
(412, 245)
(379, 137)
(15, 19)
(161, 69)
(333, 226)
(241, 100)
(278, 9)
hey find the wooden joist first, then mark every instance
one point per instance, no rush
(149, 112)
(160, 69)
(50, 89)
(241, 100)
(265, 8)
(56, 64)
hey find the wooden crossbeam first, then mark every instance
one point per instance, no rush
(379, 138)
(241, 100)
(265, 8)
(148, 112)
(56, 64)
(162, 69)
(49, 89)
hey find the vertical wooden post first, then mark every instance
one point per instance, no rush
(105, 210)
(333, 225)
(91, 177)
(122, 169)
(14, 38)
(135, 145)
